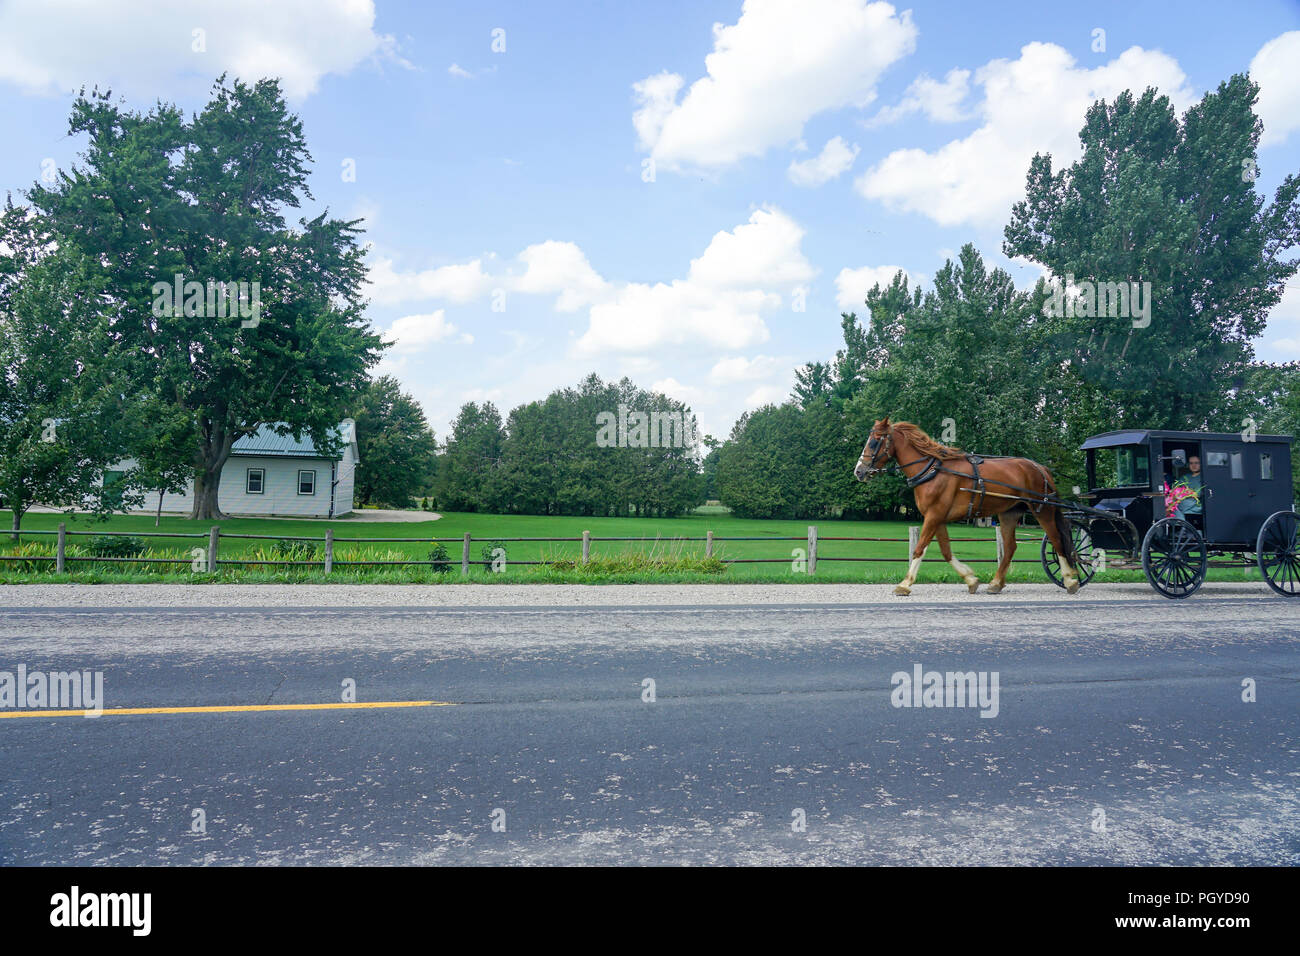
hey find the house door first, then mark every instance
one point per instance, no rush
(1228, 503)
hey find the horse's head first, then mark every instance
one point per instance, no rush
(877, 452)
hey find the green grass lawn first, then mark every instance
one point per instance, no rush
(664, 536)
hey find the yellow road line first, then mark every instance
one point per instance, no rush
(225, 709)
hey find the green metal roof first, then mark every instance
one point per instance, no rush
(266, 443)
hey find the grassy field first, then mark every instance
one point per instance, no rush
(629, 561)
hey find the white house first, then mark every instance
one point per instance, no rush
(275, 475)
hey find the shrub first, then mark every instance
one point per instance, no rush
(285, 550)
(439, 559)
(486, 553)
(111, 546)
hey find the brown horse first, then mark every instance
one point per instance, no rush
(949, 487)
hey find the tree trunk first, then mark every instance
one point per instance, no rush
(158, 517)
(17, 520)
(207, 483)
(206, 488)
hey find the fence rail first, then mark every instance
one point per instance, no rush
(211, 555)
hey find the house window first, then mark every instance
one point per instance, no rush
(1266, 466)
(1236, 464)
(306, 482)
(255, 480)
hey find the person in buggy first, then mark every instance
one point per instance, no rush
(1184, 498)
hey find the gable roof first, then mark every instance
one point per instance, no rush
(266, 443)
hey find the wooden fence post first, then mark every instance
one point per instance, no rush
(329, 550)
(708, 545)
(61, 552)
(214, 539)
(913, 539)
(464, 556)
(812, 549)
(586, 546)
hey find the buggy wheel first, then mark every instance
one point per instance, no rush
(1174, 557)
(1276, 552)
(1083, 566)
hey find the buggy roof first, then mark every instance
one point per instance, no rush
(1144, 436)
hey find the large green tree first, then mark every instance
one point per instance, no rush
(158, 197)
(1155, 199)
(395, 443)
(64, 412)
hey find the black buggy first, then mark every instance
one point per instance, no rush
(1247, 510)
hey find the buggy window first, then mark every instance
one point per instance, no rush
(1131, 467)
(1266, 466)
(1216, 458)
(1235, 459)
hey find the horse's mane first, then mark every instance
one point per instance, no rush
(918, 439)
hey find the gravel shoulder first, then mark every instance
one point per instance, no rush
(586, 595)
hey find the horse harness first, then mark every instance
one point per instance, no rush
(979, 491)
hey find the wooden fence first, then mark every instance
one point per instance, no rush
(210, 556)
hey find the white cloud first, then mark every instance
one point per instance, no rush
(147, 47)
(740, 369)
(687, 394)
(549, 268)
(764, 251)
(414, 332)
(852, 285)
(939, 101)
(456, 283)
(741, 275)
(834, 160)
(1283, 320)
(770, 72)
(1032, 104)
(718, 304)
(1276, 68)
(457, 70)
(559, 268)
(767, 395)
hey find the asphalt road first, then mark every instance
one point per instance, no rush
(1132, 709)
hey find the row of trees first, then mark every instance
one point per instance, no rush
(554, 457)
(990, 368)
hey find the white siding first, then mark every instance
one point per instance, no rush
(279, 487)
(279, 495)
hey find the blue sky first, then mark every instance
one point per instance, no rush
(504, 152)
